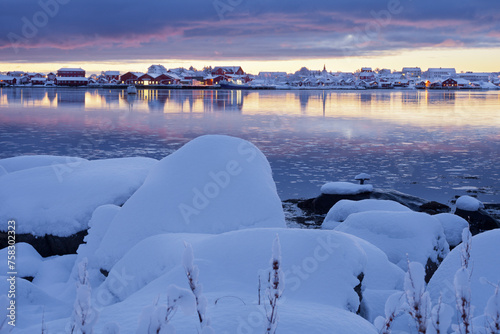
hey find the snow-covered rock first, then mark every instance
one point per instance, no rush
(320, 268)
(345, 188)
(231, 262)
(343, 208)
(31, 161)
(59, 199)
(453, 226)
(98, 225)
(485, 265)
(321, 272)
(213, 184)
(417, 234)
(32, 302)
(27, 260)
(469, 203)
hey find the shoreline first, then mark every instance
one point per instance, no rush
(216, 87)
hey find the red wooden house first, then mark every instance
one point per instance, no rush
(71, 72)
(450, 83)
(223, 70)
(131, 77)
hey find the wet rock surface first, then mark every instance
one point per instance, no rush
(48, 245)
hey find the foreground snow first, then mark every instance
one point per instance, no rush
(59, 199)
(210, 211)
(485, 264)
(321, 270)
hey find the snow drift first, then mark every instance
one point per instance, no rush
(419, 235)
(59, 199)
(213, 184)
(343, 208)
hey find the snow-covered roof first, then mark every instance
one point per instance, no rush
(70, 70)
(112, 73)
(157, 69)
(6, 77)
(233, 69)
(462, 81)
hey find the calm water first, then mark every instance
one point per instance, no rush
(431, 144)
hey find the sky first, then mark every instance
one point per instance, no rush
(259, 35)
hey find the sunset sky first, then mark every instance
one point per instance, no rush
(260, 35)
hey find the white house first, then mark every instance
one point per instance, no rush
(440, 73)
(157, 69)
(475, 76)
(414, 72)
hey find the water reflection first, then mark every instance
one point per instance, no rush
(408, 106)
(414, 141)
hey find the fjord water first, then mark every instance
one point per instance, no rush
(433, 144)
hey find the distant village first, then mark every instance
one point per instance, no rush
(235, 77)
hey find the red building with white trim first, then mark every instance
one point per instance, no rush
(223, 70)
(71, 72)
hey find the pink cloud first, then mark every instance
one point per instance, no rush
(450, 43)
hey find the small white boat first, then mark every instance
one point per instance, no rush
(131, 89)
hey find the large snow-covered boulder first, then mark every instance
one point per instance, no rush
(453, 226)
(485, 268)
(213, 184)
(26, 259)
(343, 208)
(59, 199)
(398, 234)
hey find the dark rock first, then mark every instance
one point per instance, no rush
(358, 289)
(104, 272)
(28, 278)
(323, 203)
(493, 209)
(479, 221)
(433, 208)
(48, 245)
(301, 218)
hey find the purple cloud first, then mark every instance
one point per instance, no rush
(53, 30)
